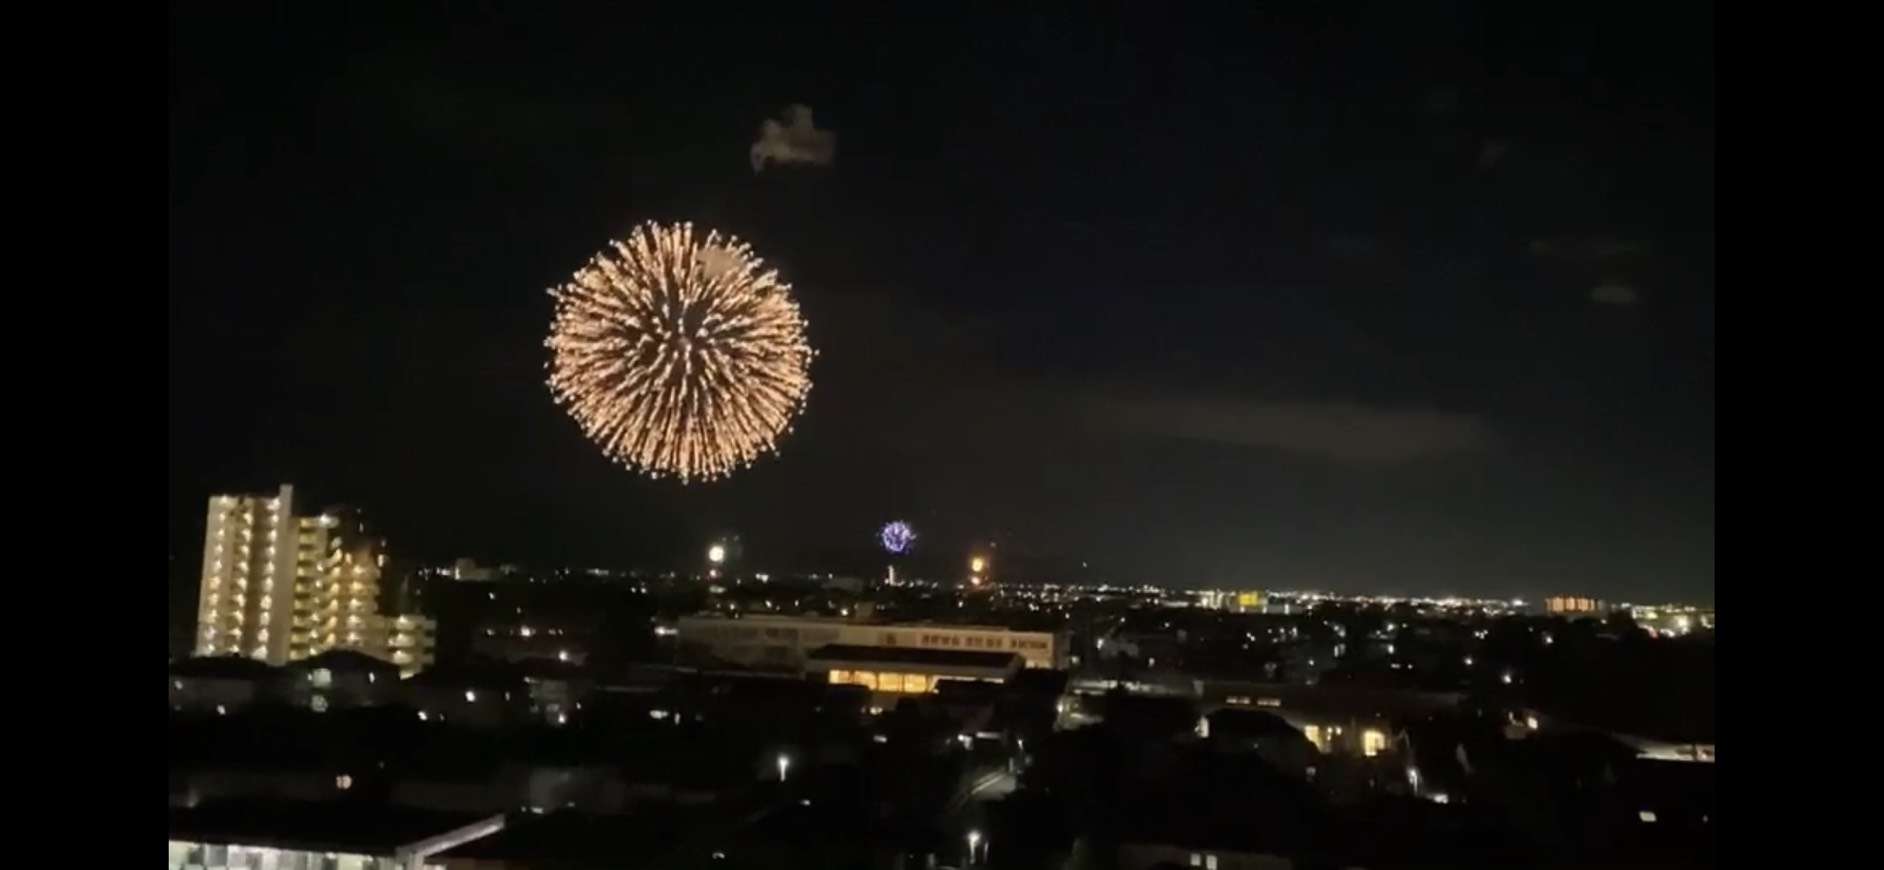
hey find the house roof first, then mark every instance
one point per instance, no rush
(223, 667)
(343, 660)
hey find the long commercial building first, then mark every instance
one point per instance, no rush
(785, 642)
(279, 587)
(891, 671)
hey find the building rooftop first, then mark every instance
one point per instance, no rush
(335, 826)
(574, 839)
(910, 656)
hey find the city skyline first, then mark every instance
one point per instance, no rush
(1336, 313)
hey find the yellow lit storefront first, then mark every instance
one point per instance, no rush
(884, 681)
(901, 671)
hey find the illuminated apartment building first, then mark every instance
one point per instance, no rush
(244, 604)
(280, 588)
(343, 597)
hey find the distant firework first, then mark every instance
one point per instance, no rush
(897, 537)
(678, 355)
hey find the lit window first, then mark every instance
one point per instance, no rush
(1646, 816)
(321, 677)
(318, 704)
(840, 677)
(343, 782)
(1373, 742)
(889, 682)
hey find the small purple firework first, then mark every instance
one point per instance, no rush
(897, 537)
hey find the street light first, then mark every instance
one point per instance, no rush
(976, 564)
(784, 763)
(716, 553)
(974, 839)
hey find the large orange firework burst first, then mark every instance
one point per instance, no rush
(679, 355)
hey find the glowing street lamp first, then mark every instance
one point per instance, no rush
(784, 763)
(716, 553)
(976, 564)
(974, 839)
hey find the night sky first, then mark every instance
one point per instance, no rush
(1395, 297)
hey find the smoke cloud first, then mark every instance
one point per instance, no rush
(793, 139)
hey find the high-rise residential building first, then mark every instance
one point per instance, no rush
(280, 587)
(244, 605)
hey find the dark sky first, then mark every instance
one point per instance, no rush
(1394, 297)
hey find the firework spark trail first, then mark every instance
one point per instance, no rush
(679, 356)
